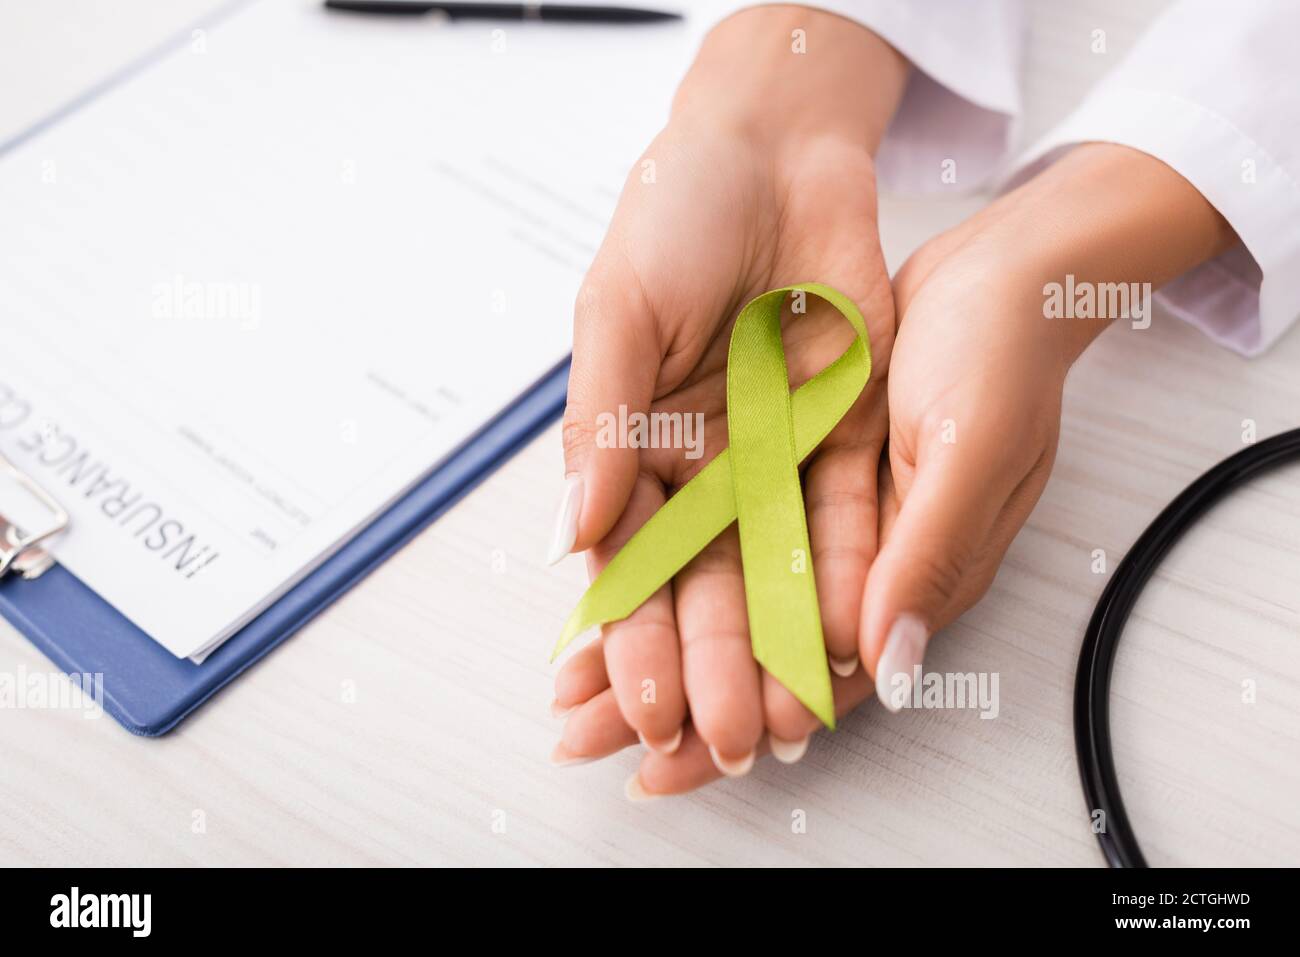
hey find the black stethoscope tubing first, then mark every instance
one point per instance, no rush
(1092, 742)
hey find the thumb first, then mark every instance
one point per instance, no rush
(616, 359)
(932, 564)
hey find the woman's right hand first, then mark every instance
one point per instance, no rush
(763, 177)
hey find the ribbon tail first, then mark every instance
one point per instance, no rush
(699, 512)
(784, 615)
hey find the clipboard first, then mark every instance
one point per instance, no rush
(147, 689)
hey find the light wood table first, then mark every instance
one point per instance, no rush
(446, 644)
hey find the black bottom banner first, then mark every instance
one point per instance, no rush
(929, 906)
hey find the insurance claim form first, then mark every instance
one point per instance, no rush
(256, 291)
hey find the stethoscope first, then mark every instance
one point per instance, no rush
(1092, 680)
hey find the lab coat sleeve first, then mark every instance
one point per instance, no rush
(1213, 90)
(954, 126)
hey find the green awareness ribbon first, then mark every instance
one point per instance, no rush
(754, 481)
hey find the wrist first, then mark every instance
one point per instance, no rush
(774, 72)
(1094, 234)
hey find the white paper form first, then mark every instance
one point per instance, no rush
(252, 294)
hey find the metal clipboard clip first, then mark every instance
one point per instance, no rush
(20, 551)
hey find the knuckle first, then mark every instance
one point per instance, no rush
(830, 556)
(608, 291)
(843, 497)
(943, 568)
(577, 434)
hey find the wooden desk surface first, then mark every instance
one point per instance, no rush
(446, 645)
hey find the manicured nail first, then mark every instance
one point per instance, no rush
(844, 666)
(559, 711)
(562, 757)
(732, 767)
(788, 752)
(566, 520)
(635, 791)
(663, 747)
(904, 649)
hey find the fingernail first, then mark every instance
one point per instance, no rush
(635, 791)
(904, 649)
(562, 757)
(566, 520)
(732, 768)
(558, 710)
(663, 747)
(787, 752)
(844, 666)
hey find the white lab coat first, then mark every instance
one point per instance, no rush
(1212, 89)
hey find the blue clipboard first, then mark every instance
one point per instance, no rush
(147, 689)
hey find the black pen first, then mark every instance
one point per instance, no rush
(506, 11)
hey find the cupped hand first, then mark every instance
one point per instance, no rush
(730, 212)
(979, 369)
(975, 411)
